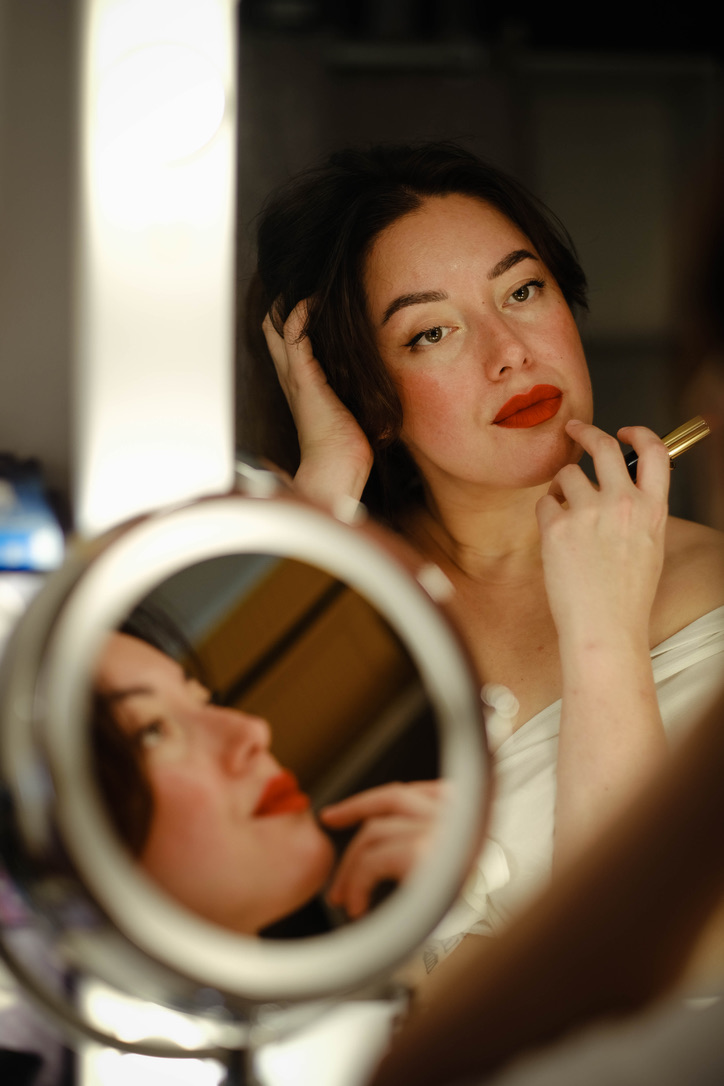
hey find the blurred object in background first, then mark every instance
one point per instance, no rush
(31, 538)
(30, 535)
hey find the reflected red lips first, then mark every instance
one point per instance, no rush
(530, 408)
(281, 796)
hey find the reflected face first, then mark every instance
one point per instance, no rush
(467, 319)
(231, 837)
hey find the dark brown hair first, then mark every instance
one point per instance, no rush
(121, 778)
(314, 237)
(118, 764)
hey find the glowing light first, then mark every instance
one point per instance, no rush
(156, 263)
(46, 548)
(160, 103)
(340, 1049)
(135, 1020)
(113, 1068)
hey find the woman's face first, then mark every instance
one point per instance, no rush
(466, 318)
(231, 837)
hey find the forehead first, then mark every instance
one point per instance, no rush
(127, 660)
(445, 234)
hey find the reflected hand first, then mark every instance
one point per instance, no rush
(336, 457)
(603, 546)
(398, 823)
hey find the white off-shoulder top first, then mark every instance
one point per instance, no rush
(516, 860)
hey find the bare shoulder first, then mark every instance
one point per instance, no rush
(689, 543)
(692, 581)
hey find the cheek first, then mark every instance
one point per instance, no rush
(431, 403)
(313, 851)
(582, 386)
(187, 817)
(566, 340)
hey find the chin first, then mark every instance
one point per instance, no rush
(319, 861)
(308, 872)
(563, 451)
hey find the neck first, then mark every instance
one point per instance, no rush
(488, 536)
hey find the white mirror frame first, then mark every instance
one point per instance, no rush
(46, 763)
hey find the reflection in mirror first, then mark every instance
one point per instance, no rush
(232, 707)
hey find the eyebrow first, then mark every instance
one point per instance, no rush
(131, 692)
(420, 298)
(510, 261)
(424, 296)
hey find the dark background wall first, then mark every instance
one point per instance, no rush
(609, 125)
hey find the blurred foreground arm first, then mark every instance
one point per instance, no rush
(610, 934)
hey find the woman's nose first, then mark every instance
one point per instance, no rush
(242, 737)
(502, 348)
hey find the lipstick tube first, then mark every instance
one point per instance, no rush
(677, 442)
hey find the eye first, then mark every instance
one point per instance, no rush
(429, 337)
(527, 291)
(149, 735)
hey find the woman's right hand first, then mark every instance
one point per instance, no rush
(397, 824)
(336, 457)
(603, 545)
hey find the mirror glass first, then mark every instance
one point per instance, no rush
(238, 698)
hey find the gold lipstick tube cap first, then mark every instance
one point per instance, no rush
(686, 435)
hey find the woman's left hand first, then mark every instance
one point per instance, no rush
(603, 546)
(398, 823)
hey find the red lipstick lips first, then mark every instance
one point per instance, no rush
(281, 796)
(530, 408)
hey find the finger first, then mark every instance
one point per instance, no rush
(292, 332)
(571, 484)
(276, 346)
(358, 862)
(267, 326)
(296, 322)
(293, 359)
(383, 799)
(653, 470)
(548, 509)
(419, 799)
(303, 368)
(272, 337)
(366, 863)
(604, 450)
(555, 491)
(373, 834)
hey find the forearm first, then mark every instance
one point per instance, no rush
(611, 735)
(603, 552)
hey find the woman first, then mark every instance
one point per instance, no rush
(196, 793)
(418, 307)
(643, 913)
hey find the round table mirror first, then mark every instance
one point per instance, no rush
(179, 704)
